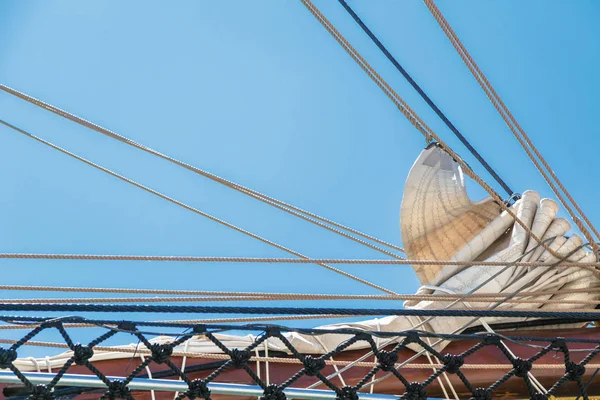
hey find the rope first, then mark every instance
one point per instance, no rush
(415, 119)
(275, 297)
(197, 211)
(473, 312)
(427, 99)
(289, 208)
(110, 257)
(523, 138)
(284, 296)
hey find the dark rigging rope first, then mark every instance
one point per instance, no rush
(132, 308)
(431, 104)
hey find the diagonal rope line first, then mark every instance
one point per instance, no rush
(511, 122)
(414, 119)
(197, 211)
(289, 208)
(427, 99)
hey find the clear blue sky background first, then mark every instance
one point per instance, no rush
(259, 93)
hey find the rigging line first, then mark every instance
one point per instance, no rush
(427, 99)
(111, 257)
(286, 296)
(287, 207)
(400, 297)
(591, 313)
(414, 119)
(508, 117)
(197, 211)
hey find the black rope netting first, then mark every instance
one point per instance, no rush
(386, 360)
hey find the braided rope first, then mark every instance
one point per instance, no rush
(523, 138)
(282, 296)
(275, 297)
(113, 257)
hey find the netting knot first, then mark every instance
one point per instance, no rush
(415, 391)
(481, 394)
(453, 363)
(82, 353)
(574, 371)
(240, 358)
(198, 389)
(273, 392)
(491, 339)
(126, 326)
(273, 331)
(539, 396)
(117, 389)
(412, 337)
(7, 356)
(521, 367)
(50, 324)
(560, 344)
(387, 360)
(161, 352)
(312, 366)
(41, 392)
(200, 329)
(347, 393)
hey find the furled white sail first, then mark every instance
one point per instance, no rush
(440, 222)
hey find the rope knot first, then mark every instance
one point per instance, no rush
(521, 367)
(347, 393)
(574, 371)
(362, 336)
(539, 396)
(161, 352)
(82, 353)
(481, 394)
(273, 392)
(53, 323)
(240, 358)
(453, 363)
(387, 360)
(312, 366)
(415, 391)
(200, 329)
(560, 344)
(412, 337)
(41, 392)
(273, 331)
(7, 356)
(126, 326)
(117, 389)
(198, 389)
(491, 339)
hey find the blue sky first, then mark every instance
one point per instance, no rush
(259, 93)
